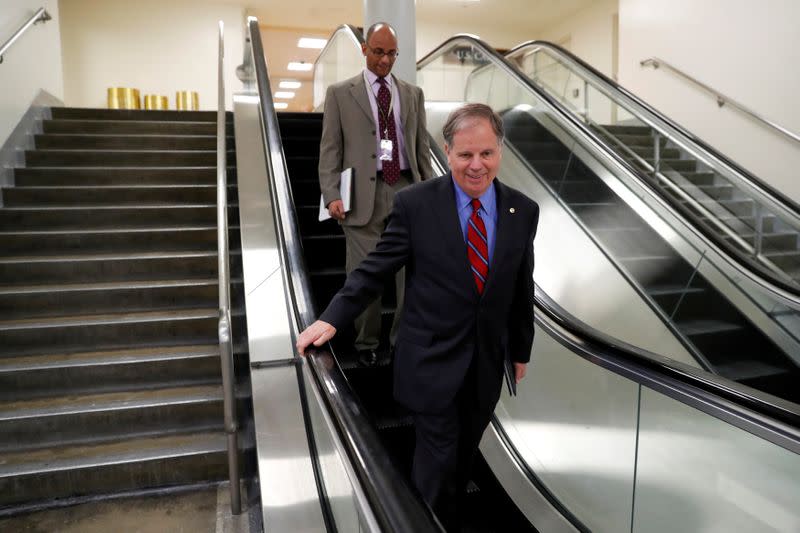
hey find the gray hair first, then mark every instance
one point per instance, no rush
(375, 27)
(466, 115)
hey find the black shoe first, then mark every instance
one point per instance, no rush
(367, 358)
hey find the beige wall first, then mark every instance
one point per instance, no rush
(155, 46)
(744, 49)
(431, 34)
(32, 64)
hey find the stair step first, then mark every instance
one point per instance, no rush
(707, 327)
(111, 216)
(92, 418)
(44, 300)
(108, 331)
(108, 141)
(107, 267)
(123, 158)
(110, 240)
(68, 471)
(114, 195)
(168, 175)
(133, 127)
(49, 374)
(87, 113)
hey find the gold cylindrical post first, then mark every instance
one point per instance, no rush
(187, 100)
(155, 101)
(123, 98)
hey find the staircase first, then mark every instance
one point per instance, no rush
(489, 508)
(725, 202)
(728, 343)
(109, 363)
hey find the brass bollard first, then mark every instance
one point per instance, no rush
(187, 101)
(123, 98)
(155, 101)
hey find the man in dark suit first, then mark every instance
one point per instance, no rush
(375, 124)
(466, 241)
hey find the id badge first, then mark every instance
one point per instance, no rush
(386, 150)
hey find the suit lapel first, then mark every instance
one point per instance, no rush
(404, 93)
(358, 90)
(503, 239)
(447, 213)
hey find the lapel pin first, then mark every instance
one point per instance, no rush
(512, 210)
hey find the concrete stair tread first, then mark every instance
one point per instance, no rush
(131, 207)
(107, 357)
(107, 318)
(176, 254)
(136, 450)
(108, 401)
(133, 186)
(198, 227)
(128, 121)
(119, 151)
(125, 135)
(110, 286)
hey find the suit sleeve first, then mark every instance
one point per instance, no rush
(521, 326)
(423, 141)
(366, 282)
(331, 147)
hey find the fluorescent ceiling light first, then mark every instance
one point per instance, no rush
(281, 105)
(284, 94)
(300, 65)
(309, 42)
(289, 84)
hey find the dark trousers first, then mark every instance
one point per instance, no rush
(446, 444)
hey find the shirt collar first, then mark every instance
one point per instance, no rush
(488, 202)
(372, 78)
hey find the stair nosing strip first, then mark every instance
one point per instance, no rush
(73, 321)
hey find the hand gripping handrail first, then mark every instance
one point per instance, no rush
(224, 328)
(40, 16)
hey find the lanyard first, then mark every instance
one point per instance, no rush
(386, 116)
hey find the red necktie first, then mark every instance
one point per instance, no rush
(391, 169)
(477, 247)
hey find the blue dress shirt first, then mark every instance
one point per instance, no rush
(487, 212)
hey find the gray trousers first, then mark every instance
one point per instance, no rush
(360, 242)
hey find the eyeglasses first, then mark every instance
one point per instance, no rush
(380, 52)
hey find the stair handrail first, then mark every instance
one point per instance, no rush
(41, 15)
(224, 328)
(721, 99)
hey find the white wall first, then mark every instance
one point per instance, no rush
(589, 33)
(32, 64)
(747, 50)
(431, 34)
(155, 46)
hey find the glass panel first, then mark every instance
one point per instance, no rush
(336, 484)
(697, 473)
(341, 59)
(574, 424)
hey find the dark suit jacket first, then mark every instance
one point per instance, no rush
(445, 322)
(348, 140)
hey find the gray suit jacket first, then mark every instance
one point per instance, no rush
(348, 140)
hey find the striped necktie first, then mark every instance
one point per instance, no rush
(477, 247)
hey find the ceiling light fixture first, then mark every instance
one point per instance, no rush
(281, 105)
(289, 84)
(311, 42)
(301, 66)
(284, 94)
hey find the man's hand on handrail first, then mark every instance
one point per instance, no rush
(317, 334)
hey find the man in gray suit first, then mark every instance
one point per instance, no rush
(374, 123)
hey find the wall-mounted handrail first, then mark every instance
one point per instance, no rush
(40, 16)
(721, 99)
(224, 326)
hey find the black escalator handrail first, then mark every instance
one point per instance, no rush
(750, 269)
(395, 505)
(772, 418)
(788, 204)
